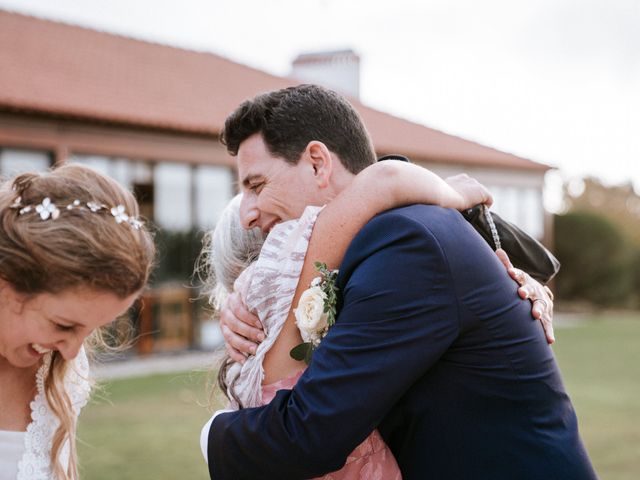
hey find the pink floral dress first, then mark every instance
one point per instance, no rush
(371, 460)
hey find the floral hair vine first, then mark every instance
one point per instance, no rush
(49, 210)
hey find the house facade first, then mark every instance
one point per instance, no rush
(150, 115)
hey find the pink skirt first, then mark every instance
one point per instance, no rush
(371, 460)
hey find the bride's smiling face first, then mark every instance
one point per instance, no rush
(32, 326)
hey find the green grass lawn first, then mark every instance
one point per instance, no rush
(145, 428)
(148, 428)
(600, 363)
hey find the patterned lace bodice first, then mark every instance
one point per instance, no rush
(35, 462)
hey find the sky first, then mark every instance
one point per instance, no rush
(556, 81)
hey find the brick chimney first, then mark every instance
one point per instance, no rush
(338, 70)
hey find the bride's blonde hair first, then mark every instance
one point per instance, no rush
(80, 246)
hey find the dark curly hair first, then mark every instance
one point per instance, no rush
(290, 118)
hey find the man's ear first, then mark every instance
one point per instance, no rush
(321, 161)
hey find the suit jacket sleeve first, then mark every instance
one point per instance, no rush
(399, 315)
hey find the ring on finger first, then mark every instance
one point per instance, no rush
(544, 303)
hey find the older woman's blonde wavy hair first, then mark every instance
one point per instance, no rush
(79, 249)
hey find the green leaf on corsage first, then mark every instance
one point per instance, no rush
(302, 352)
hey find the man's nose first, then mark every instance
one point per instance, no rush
(249, 213)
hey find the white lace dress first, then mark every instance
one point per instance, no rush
(34, 463)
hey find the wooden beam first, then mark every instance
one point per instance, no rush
(64, 138)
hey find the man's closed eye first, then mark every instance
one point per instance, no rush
(256, 187)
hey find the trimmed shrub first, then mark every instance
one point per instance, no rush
(597, 260)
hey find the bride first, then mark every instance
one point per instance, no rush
(73, 257)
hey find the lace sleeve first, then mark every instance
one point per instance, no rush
(268, 290)
(35, 462)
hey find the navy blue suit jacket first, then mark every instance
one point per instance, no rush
(433, 347)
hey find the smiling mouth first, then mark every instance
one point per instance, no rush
(268, 227)
(40, 349)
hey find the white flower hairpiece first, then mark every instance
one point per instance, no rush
(119, 214)
(49, 210)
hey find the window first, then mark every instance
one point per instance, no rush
(532, 212)
(97, 162)
(133, 175)
(213, 190)
(172, 196)
(176, 196)
(15, 161)
(522, 207)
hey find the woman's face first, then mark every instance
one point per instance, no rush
(31, 327)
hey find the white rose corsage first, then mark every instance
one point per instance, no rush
(316, 312)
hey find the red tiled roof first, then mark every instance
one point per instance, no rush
(64, 70)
